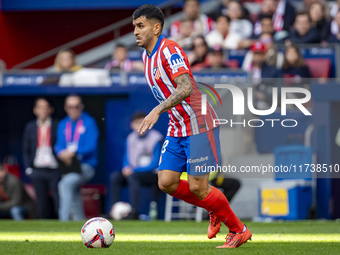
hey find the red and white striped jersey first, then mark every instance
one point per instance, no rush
(166, 62)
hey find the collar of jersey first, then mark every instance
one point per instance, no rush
(156, 46)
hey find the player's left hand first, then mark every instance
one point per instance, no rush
(149, 121)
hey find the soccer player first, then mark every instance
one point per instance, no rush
(192, 141)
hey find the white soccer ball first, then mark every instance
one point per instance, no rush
(120, 210)
(97, 233)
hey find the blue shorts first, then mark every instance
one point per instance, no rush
(192, 154)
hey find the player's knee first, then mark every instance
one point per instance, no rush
(167, 186)
(199, 189)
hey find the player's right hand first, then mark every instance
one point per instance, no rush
(149, 121)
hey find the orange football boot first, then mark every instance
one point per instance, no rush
(234, 240)
(214, 225)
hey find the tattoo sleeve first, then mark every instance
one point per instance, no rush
(183, 90)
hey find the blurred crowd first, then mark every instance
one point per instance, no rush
(271, 39)
(271, 35)
(233, 26)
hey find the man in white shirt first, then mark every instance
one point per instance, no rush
(39, 159)
(222, 36)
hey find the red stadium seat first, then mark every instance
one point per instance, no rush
(93, 199)
(12, 166)
(319, 68)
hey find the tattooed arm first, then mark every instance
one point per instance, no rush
(183, 90)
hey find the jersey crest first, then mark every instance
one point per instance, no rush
(156, 73)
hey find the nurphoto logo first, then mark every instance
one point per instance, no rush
(239, 103)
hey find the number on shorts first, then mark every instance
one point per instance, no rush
(166, 142)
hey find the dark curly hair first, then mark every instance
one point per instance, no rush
(149, 11)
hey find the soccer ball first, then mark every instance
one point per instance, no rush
(97, 233)
(120, 210)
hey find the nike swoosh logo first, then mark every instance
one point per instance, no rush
(202, 165)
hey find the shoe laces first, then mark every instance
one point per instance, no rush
(212, 219)
(229, 237)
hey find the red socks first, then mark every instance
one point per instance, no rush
(215, 202)
(183, 193)
(218, 203)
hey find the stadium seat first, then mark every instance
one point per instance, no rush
(319, 68)
(93, 199)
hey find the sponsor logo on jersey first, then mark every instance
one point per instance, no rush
(157, 94)
(176, 61)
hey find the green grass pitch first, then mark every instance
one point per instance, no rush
(175, 238)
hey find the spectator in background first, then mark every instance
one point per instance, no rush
(186, 33)
(294, 65)
(335, 26)
(39, 159)
(14, 200)
(238, 24)
(272, 56)
(202, 23)
(216, 58)
(223, 10)
(307, 4)
(140, 163)
(335, 9)
(319, 18)
(198, 55)
(303, 31)
(221, 36)
(259, 67)
(282, 13)
(120, 60)
(267, 27)
(264, 76)
(76, 149)
(335, 38)
(65, 61)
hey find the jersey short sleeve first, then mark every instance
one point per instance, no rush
(174, 61)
